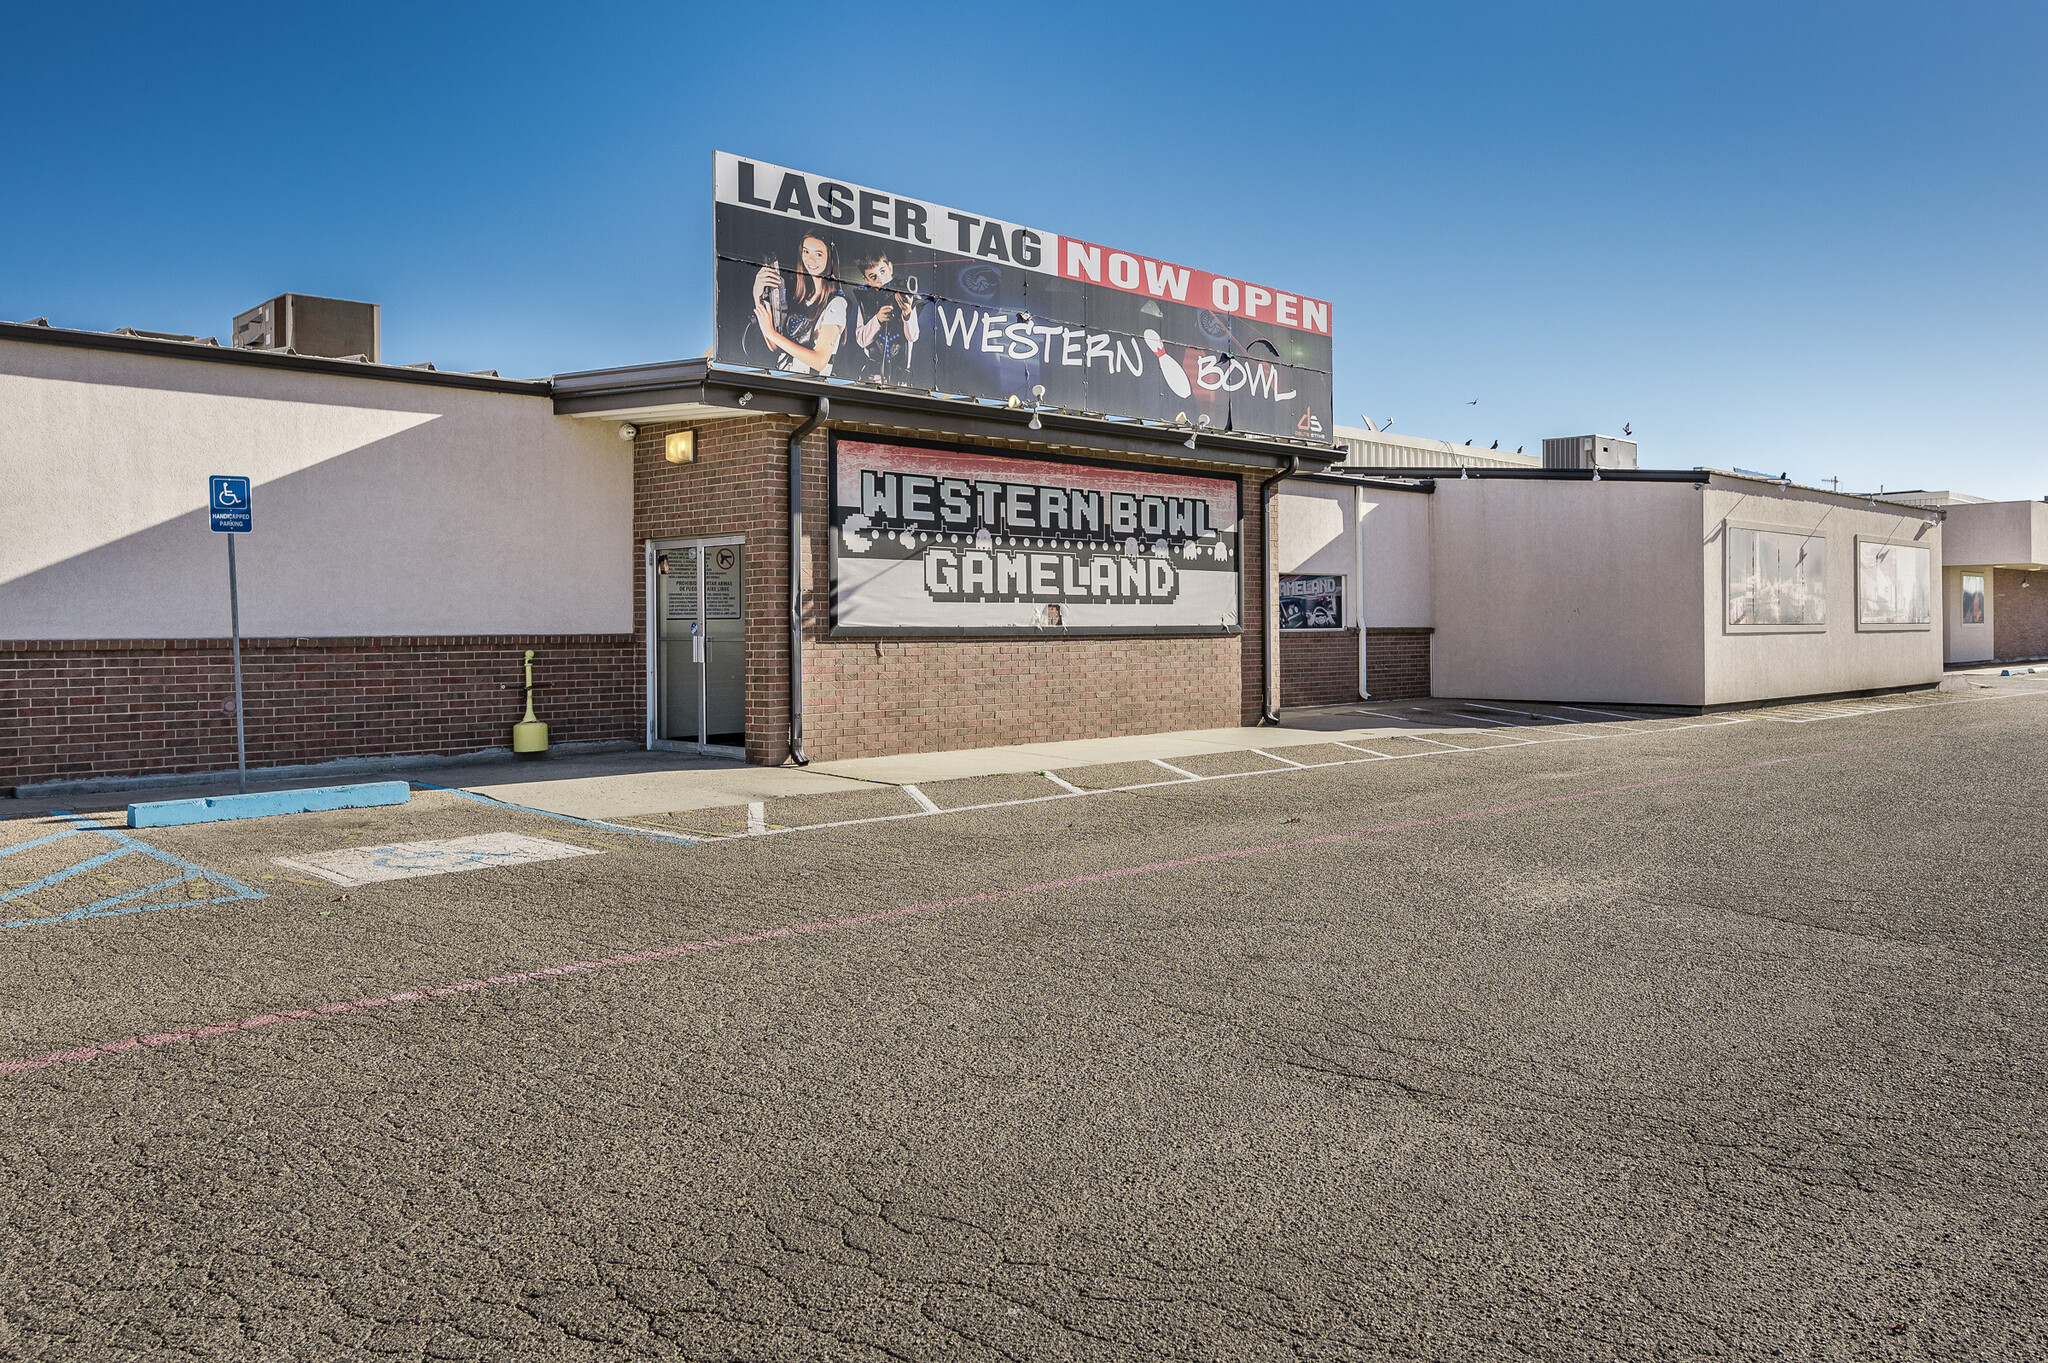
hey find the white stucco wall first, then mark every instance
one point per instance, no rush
(380, 507)
(1316, 536)
(1567, 591)
(1616, 591)
(2008, 534)
(1742, 666)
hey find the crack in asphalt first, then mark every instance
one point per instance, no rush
(1284, 1121)
(200, 1032)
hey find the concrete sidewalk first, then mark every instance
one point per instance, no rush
(1298, 727)
(588, 785)
(618, 785)
(626, 793)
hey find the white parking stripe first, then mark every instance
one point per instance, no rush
(757, 818)
(1302, 766)
(1611, 714)
(1069, 791)
(1529, 714)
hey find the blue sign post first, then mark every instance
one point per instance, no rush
(227, 502)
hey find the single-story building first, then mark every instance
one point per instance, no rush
(967, 573)
(1685, 588)
(789, 568)
(1995, 580)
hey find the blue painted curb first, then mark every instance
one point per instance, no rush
(170, 813)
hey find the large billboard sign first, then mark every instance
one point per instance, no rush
(825, 277)
(938, 539)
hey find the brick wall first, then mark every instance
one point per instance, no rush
(124, 707)
(83, 708)
(738, 484)
(2019, 614)
(1318, 666)
(1397, 663)
(875, 697)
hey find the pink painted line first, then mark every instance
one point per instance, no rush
(249, 1024)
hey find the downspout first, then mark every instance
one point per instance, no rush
(1268, 495)
(1358, 589)
(796, 580)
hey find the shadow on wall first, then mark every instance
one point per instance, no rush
(402, 536)
(388, 595)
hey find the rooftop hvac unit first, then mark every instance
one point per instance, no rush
(306, 325)
(1589, 452)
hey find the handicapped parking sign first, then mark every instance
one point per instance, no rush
(227, 499)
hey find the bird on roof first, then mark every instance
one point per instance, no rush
(1518, 449)
(1495, 445)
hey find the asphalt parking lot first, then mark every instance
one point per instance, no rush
(1545, 1034)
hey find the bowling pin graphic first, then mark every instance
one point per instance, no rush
(1176, 377)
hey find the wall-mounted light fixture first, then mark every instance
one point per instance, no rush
(680, 447)
(627, 430)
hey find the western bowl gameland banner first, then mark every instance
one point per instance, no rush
(932, 539)
(825, 277)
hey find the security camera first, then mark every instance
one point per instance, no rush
(627, 430)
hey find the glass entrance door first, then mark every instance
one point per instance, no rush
(698, 637)
(725, 647)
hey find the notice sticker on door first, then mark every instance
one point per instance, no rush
(682, 593)
(722, 584)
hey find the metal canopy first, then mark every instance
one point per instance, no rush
(697, 390)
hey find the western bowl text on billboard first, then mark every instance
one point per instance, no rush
(821, 276)
(935, 539)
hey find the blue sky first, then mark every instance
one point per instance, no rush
(1791, 237)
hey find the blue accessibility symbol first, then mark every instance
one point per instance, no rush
(227, 500)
